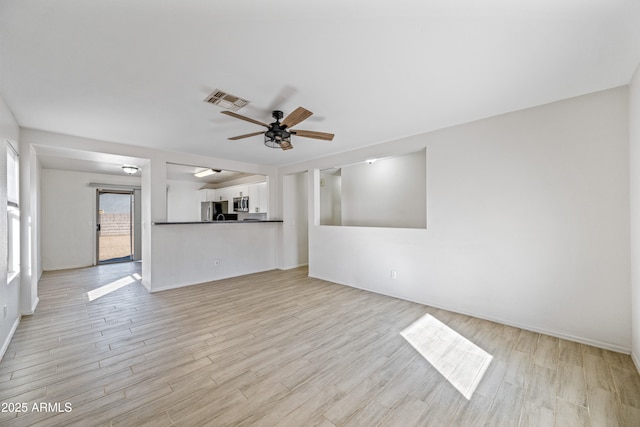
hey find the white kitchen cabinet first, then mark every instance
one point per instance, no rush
(222, 194)
(207, 195)
(258, 197)
(239, 190)
(264, 197)
(254, 198)
(257, 193)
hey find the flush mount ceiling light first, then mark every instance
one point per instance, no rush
(129, 169)
(206, 172)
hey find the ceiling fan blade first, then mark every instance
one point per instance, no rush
(247, 119)
(283, 96)
(296, 116)
(313, 134)
(234, 138)
(285, 145)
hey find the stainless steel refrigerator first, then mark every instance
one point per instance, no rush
(210, 211)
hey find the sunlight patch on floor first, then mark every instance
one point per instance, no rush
(110, 287)
(457, 359)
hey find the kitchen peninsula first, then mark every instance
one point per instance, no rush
(191, 253)
(191, 247)
(230, 221)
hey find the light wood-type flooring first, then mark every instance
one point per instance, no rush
(279, 348)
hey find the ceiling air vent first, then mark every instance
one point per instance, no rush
(226, 100)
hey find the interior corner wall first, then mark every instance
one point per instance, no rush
(330, 199)
(295, 227)
(528, 223)
(634, 160)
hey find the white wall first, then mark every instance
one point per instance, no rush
(295, 228)
(69, 216)
(9, 293)
(183, 201)
(186, 254)
(634, 156)
(387, 193)
(528, 223)
(330, 198)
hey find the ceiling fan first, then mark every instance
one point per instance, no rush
(278, 134)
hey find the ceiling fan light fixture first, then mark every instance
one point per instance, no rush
(276, 141)
(277, 138)
(130, 169)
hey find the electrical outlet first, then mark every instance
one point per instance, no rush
(394, 274)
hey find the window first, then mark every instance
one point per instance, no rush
(13, 212)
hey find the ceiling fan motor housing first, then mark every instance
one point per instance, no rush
(277, 114)
(277, 132)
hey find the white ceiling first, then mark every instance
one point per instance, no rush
(85, 161)
(179, 172)
(137, 71)
(110, 164)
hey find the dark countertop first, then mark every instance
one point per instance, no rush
(219, 222)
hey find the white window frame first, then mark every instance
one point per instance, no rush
(13, 212)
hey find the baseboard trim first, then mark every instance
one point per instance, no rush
(34, 305)
(636, 361)
(568, 337)
(32, 309)
(7, 341)
(291, 267)
(212, 280)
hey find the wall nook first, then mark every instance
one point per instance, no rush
(383, 192)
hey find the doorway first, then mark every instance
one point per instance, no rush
(114, 226)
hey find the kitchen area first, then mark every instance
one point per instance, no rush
(217, 226)
(221, 196)
(247, 202)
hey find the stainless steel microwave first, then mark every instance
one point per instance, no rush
(241, 204)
